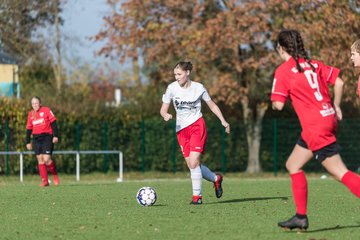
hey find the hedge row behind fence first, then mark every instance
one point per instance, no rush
(152, 145)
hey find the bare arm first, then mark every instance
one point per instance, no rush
(338, 91)
(276, 105)
(164, 111)
(216, 110)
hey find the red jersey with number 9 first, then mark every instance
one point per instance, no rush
(310, 97)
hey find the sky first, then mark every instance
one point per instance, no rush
(82, 20)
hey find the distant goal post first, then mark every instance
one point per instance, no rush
(77, 154)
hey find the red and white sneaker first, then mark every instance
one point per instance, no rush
(196, 200)
(56, 180)
(218, 186)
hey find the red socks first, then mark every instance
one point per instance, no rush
(52, 168)
(300, 191)
(43, 173)
(352, 182)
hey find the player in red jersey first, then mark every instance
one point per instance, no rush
(186, 96)
(355, 58)
(41, 123)
(305, 83)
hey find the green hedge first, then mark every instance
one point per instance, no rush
(151, 144)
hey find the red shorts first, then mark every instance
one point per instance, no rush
(193, 137)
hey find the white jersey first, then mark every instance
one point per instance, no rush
(187, 102)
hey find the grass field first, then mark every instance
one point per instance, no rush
(98, 208)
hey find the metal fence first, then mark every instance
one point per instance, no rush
(151, 145)
(76, 153)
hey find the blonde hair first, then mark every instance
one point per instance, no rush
(356, 46)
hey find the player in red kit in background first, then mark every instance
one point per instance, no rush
(41, 123)
(305, 83)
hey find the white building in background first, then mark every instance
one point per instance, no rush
(9, 76)
(117, 96)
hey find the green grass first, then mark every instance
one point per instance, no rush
(98, 208)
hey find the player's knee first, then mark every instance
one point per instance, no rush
(338, 173)
(193, 165)
(292, 168)
(40, 160)
(48, 161)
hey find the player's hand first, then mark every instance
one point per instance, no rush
(29, 146)
(55, 140)
(338, 113)
(167, 117)
(226, 126)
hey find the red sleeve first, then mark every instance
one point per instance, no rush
(50, 115)
(280, 89)
(29, 124)
(328, 73)
(358, 90)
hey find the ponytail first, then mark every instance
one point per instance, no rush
(293, 44)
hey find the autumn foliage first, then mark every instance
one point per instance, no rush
(231, 44)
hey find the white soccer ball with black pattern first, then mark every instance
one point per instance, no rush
(146, 196)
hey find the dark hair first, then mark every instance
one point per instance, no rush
(185, 66)
(293, 44)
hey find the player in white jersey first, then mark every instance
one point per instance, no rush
(186, 96)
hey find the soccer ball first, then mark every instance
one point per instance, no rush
(146, 196)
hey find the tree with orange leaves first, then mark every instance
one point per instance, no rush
(230, 42)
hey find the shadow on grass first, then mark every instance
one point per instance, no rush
(249, 200)
(337, 227)
(159, 205)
